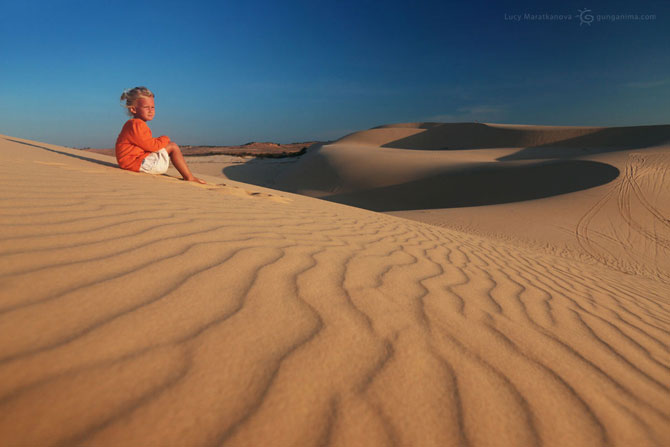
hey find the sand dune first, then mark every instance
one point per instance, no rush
(597, 194)
(142, 310)
(441, 136)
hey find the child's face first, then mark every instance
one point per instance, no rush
(143, 109)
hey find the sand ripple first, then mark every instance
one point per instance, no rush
(138, 310)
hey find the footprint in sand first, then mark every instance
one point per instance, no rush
(240, 192)
(223, 188)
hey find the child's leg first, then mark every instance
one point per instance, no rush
(179, 163)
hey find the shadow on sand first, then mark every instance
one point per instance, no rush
(534, 143)
(80, 157)
(611, 139)
(487, 184)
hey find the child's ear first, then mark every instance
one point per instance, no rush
(132, 109)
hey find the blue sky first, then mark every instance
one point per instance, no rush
(232, 72)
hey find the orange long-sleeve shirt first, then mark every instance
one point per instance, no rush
(135, 143)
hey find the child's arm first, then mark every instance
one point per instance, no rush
(140, 135)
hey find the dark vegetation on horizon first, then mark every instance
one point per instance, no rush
(251, 149)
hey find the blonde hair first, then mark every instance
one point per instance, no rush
(131, 95)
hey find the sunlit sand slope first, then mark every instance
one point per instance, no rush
(143, 311)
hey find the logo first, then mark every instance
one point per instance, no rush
(584, 17)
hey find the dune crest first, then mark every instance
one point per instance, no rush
(141, 310)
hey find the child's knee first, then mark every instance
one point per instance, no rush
(172, 148)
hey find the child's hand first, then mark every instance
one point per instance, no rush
(195, 179)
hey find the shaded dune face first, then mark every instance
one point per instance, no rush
(479, 136)
(483, 184)
(601, 141)
(534, 139)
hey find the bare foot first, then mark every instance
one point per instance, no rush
(195, 179)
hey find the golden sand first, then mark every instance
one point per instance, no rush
(141, 310)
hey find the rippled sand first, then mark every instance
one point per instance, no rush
(142, 311)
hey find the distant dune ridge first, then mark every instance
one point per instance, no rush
(143, 310)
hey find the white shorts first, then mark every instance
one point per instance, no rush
(156, 163)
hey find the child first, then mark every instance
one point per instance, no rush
(136, 150)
